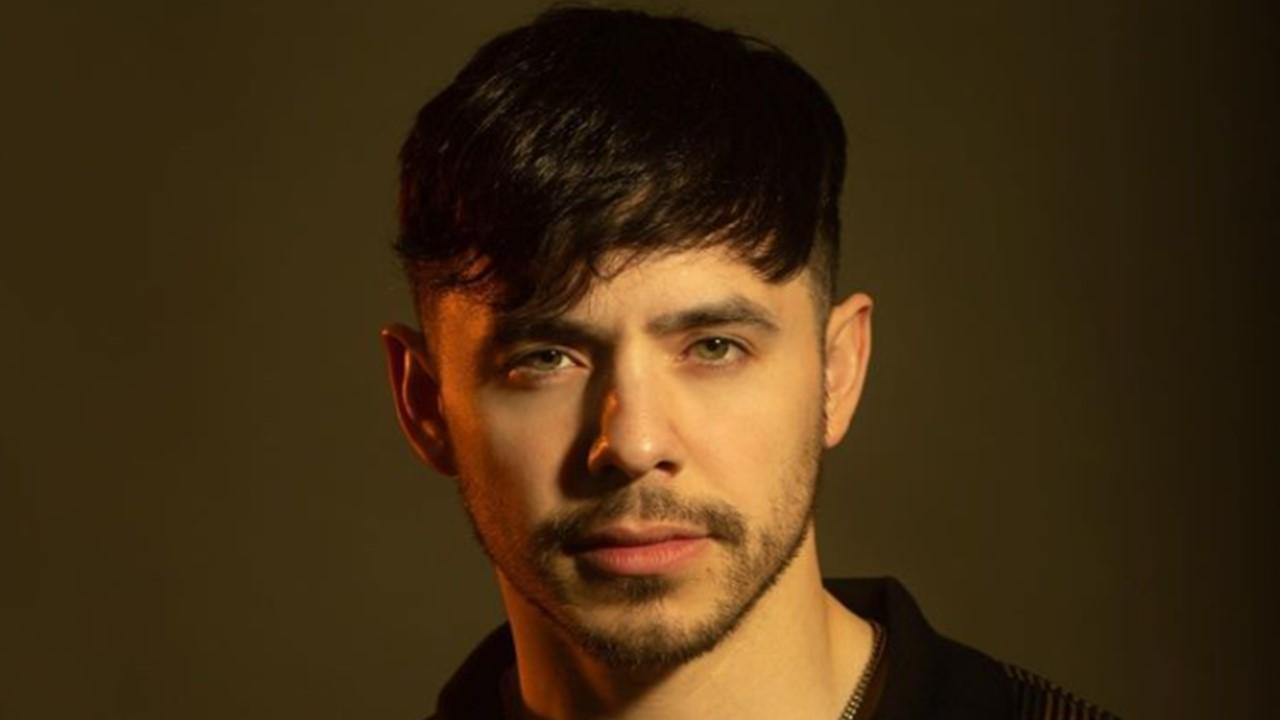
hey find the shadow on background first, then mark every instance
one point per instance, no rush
(206, 509)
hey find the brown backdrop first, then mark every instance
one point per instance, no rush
(206, 510)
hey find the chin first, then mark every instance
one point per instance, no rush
(649, 644)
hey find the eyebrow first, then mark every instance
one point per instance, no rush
(736, 309)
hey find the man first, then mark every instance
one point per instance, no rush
(622, 234)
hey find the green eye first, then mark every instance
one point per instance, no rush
(712, 349)
(547, 360)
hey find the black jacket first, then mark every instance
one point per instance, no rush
(923, 675)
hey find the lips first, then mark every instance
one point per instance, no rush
(631, 536)
(643, 550)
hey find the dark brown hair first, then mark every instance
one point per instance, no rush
(591, 133)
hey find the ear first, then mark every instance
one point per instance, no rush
(848, 347)
(417, 397)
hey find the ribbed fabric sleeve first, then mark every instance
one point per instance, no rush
(1039, 699)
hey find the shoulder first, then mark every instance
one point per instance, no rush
(974, 685)
(1036, 697)
(474, 691)
(930, 676)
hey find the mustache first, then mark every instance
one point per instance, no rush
(720, 520)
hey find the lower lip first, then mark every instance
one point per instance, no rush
(652, 559)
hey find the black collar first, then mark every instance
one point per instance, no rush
(912, 661)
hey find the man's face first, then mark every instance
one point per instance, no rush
(642, 466)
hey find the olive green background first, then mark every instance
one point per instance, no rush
(206, 509)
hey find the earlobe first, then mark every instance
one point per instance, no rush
(848, 351)
(417, 397)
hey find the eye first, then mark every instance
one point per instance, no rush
(715, 350)
(545, 360)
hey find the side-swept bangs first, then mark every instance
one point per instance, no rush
(591, 138)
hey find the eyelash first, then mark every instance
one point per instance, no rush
(735, 348)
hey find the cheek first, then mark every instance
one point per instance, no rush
(752, 439)
(517, 448)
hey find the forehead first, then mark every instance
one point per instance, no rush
(641, 291)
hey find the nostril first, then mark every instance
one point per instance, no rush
(634, 434)
(629, 457)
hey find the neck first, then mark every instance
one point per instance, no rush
(797, 653)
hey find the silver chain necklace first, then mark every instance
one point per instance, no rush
(864, 681)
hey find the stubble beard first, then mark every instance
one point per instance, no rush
(756, 562)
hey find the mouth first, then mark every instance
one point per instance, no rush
(639, 550)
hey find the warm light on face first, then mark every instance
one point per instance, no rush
(642, 466)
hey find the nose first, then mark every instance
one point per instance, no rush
(637, 429)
